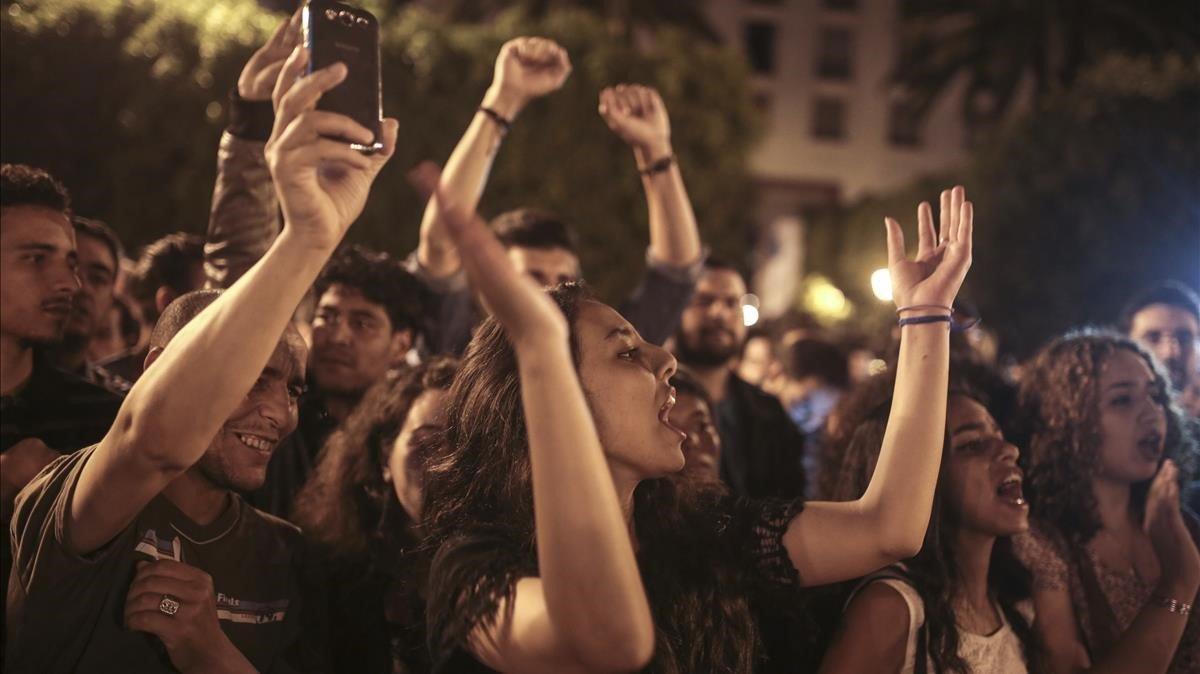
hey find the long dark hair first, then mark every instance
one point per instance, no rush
(1060, 408)
(346, 508)
(480, 481)
(934, 571)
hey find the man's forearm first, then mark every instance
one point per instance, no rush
(244, 218)
(674, 234)
(464, 178)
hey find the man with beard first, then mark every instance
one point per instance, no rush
(1165, 319)
(761, 448)
(99, 252)
(137, 554)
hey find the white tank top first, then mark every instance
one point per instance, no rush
(995, 653)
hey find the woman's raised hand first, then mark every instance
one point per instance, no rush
(941, 264)
(530, 318)
(1177, 554)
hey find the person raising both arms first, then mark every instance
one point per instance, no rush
(541, 244)
(625, 570)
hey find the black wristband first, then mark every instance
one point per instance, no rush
(658, 165)
(504, 124)
(250, 120)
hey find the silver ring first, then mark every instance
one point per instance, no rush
(169, 605)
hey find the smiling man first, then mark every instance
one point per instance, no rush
(365, 322)
(138, 554)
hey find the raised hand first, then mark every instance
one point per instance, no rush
(529, 316)
(937, 273)
(526, 68)
(176, 603)
(638, 116)
(1169, 534)
(322, 183)
(258, 77)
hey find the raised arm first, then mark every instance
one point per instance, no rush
(638, 116)
(244, 218)
(169, 418)
(1148, 645)
(829, 542)
(526, 68)
(588, 610)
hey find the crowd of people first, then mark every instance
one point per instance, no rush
(261, 449)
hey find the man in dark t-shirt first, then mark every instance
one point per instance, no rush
(250, 557)
(142, 538)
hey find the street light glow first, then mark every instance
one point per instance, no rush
(749, 309)
(881, 285)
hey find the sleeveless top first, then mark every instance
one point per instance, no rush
(996, 653)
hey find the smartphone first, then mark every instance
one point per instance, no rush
(336, 32)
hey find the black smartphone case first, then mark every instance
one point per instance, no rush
(337, 32)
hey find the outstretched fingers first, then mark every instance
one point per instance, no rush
(926, 236)
(957, 197)
(895, 242)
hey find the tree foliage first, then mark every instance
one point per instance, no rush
(1081, 203)
(1000, 44)
(124, 101)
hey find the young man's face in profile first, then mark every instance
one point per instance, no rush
(37, 253)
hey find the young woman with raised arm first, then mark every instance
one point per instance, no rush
(562, 544)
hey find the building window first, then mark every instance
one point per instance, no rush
(760, 46)
(904, 124)
(840, 5)
(836, 55)
(829, 119)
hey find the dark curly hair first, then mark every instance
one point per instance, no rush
(481, 480)
(381, 279)
(1060, 423)
(934, 570)
(346, 507)
(22, 185)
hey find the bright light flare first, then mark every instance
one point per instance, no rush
(881, 285)
(749, 309)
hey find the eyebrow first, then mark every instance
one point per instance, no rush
(44, 247)
(970, 426)
(620, 331)
(363, 313)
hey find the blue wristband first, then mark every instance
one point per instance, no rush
(922, 320)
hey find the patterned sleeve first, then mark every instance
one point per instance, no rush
(1044, 558)
(757, 527)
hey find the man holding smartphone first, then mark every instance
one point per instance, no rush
(145, 532)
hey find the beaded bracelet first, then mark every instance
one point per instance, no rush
(922, 320)
(504, 124)
(1172, 605)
